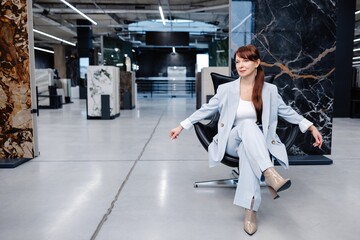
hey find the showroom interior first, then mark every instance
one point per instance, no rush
(90, 90)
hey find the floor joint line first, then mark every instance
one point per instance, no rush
(112, 205)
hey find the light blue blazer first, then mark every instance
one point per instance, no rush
(226, 101)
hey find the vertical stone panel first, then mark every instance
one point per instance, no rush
(297, 43)
(16, 123)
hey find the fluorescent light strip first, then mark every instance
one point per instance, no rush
(356, 62)
(173, 49)
(356, 58)
(78, 11)
(356, 49)
(53, 37)
(162, 15)
(357, 12)
(356, 40)
(43, 50)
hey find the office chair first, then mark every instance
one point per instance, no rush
(206, 131)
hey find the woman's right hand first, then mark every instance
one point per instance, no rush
(175, 132)
(317, 136)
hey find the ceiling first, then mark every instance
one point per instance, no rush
(114, 17)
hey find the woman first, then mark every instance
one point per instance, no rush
(249, 109)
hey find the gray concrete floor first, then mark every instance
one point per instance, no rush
(124, 179)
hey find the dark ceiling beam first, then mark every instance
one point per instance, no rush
(115, 18)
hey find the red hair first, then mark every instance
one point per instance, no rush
(250, 52)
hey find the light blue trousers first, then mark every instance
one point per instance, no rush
(247, 141)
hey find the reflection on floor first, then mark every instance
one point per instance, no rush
(124, 179)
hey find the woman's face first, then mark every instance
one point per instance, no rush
(246, 67)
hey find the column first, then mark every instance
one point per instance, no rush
(85, 53)
(60, 60)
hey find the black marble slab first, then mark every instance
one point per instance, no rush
(297, 43)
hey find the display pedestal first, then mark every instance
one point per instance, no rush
(12, 162)
(103, 98)
(127, 90)
(82, 92)
(65, 84)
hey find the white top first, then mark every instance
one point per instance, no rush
(246, 110)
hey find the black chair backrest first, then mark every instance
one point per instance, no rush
(218, 79)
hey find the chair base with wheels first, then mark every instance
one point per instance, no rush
(229, 182)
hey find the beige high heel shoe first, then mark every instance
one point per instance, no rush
(250, 225)
(275, 182)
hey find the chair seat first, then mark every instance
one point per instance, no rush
(205, 133)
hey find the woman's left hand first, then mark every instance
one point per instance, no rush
(317, 136)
